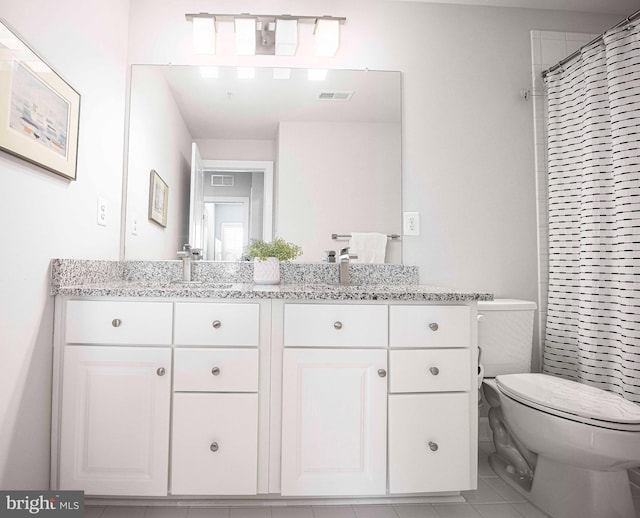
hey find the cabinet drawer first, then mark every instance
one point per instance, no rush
(116, 322)
(215, 323)
(430, 326)
(429, 370)
(335, 325)
(429, 443)
(215, 444)
(216, 370)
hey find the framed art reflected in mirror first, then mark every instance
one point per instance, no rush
(39, 111)
(158, 199)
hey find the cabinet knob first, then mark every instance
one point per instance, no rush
(433, 446)
(161, 371)
(216, 324)
(433, 326)
(337, 325)
(215, 371)
(116, 322)
(382, 373)
(214, 447)
(434, 370)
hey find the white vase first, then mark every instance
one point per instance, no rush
(266, 271)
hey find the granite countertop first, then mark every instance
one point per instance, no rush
(300, 281)
(387, 292)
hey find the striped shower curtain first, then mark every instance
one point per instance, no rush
(593, 319)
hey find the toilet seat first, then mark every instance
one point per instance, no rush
(571, 400)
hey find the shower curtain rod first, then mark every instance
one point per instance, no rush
(575, 54)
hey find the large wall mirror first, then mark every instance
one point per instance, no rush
(253, 153)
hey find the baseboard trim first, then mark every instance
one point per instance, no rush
(272, 501)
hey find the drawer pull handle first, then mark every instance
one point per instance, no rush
(434, 370)
(214, 447)
(116, 322)
(160, 371)
(215, 371)
(382, 373)
(433, 446)
(433, 326)
(216, 324)
(337, 325)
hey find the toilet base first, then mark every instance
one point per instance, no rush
(564, 491)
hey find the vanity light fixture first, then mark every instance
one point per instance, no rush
(282, 73)
(246, 72)
(317, 74)
(204, 34)
(327, 35)
(245, 36)
(286, 36)
(265, 33)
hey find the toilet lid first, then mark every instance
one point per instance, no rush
(577, 400)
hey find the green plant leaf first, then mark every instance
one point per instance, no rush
(278, 248)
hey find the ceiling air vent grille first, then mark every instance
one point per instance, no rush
(335, 96)
(222, 180)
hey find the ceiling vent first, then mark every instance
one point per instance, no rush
(222, 180)
(335, 96)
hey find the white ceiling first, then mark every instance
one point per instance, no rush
(620, 7)
(232, 108)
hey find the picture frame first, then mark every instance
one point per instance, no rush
(39, 110)
(158, 199)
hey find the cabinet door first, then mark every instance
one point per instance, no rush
(334, 422)
(215, 444)
(429, 446)
(115, 420)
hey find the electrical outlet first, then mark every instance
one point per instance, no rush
(102, 211)
(411, 224)
(134, 225)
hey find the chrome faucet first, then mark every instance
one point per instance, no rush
(188, 254)
(345, 258)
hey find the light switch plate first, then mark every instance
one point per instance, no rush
(102, 211)
(411, 224)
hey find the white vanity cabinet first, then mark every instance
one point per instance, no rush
(215, 401)
(114, 412)
(334, 400)
(179, 397)
(430, 400)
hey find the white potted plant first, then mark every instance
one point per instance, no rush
(267, 256)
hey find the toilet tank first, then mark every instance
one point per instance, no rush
(505, 335)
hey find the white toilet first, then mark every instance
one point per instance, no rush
(563, 445)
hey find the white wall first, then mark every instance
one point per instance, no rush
(329, 174)
(44, 216)
(165, 148)
(216, 149)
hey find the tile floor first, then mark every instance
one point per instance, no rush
(493, 499)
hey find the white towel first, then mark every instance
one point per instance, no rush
(370, 247)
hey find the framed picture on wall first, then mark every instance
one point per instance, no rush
(39, 111)
(158, 199)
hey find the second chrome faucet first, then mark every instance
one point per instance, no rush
(344, 260)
